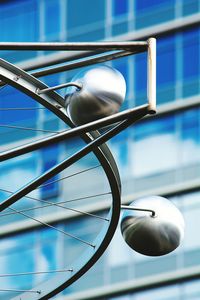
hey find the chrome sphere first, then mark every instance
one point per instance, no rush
(153, 236)
(102, 93)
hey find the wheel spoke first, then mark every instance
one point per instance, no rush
(36, 273)
(27, 128)
(53, 227)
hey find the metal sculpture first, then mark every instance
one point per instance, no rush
(100, 94)
(92, 102)
(153, 232)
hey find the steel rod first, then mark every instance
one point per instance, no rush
(60, 86)
(20, 108)
(35, 273)
(84, 62)
(27, 128)
(19, 291)
(71, 160)
(82, 46)
(129, 113)
(153, 213)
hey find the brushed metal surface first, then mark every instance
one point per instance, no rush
(153, 235)
(102, 93)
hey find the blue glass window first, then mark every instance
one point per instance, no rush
(166, 61)
(159, 138)
(52, 19)
(47, 254)
(21, 16)
(191, 62)
(81, 13)
(150, 12)
(19, 21)
(12, 98)
(190, 136)
(49, 159)
(191, 54)
(140, 73)
(190, 7)
(120, 7)
(120, 17)
(166, 69)
(141, 5)
(13, 251)
(18, 172)
(122, 66)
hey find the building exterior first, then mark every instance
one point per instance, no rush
(158, 155)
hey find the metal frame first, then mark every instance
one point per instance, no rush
(46, 96)
(132, 47)
(28, 84)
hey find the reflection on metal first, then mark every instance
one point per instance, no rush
(153, 235)
(102, 93)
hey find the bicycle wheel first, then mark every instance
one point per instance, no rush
(28, 217)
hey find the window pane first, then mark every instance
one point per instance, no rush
(52, 19)
(150, 12)
(19, 22)
(50, 159)
(82, 13)
(120, 7)
(190, 136)
(160, 139)
(166, 69)
(191, 53)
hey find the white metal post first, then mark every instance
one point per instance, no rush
(151, 75)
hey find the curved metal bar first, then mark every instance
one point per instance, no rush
(60, 86)
(153, 213)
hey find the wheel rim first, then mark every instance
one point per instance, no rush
(29, 85)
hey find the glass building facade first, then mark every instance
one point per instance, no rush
(172, 139)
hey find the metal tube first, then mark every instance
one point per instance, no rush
(19, 291)
(129, 113)
(151, 75)
(85, 46)
(86, 61)
(60, 86)
(71, 160)
(153, 213)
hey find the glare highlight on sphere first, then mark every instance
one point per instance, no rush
(102, 94)
(153, 236)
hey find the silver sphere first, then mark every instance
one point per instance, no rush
(153, 236)
(102, 93)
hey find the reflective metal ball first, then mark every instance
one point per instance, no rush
(153, 236)
(102, 93)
